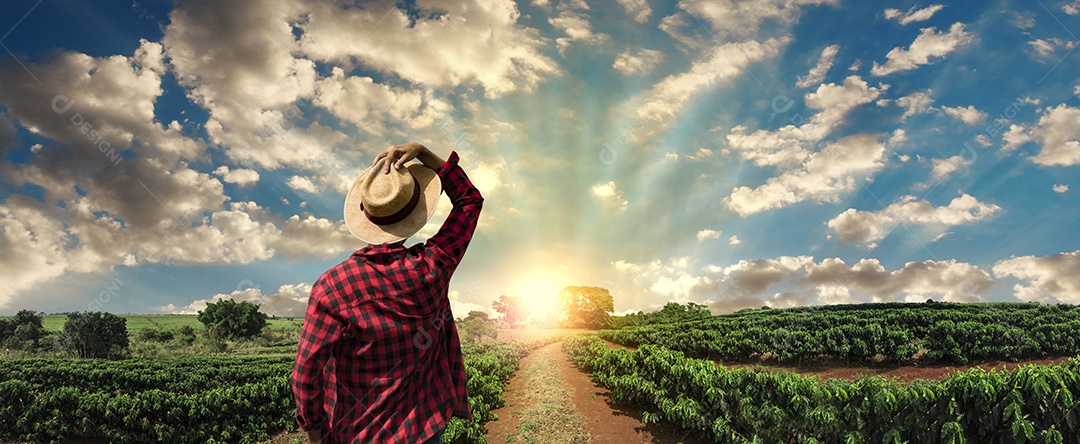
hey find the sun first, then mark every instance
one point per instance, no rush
(538, 289)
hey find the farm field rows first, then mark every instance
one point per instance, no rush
(1031, 404)
(896, 332)
(198, 400)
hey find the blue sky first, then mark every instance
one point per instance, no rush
(157, 155)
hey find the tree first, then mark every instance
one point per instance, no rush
(95, 334)
(512, 308)
(587, 307)
(228, 319)
(24, 331)
(7, 330)
(476, 326)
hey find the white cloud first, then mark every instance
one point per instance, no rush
(1071, 8)
(857, 226)
(639, 10)
(370, 106)
(1015, 136)
(825, 175)
(1047, 279)
(640, 62)
(577, 29)
(290, 300)
(898, 137)
(792, 144)
(461, 309)
(817, 73)
(1023, 21)
(242, 177)
(1061, 188)
(1048, 48)
(968, 115)
(744, 17)
(734, 240)
(929, 44)
(913, 15)
(788, 281)
(669, 280)
(239, 63)
(35, 248)
(300, 183)
(707, 234)
(943, 168)
(915, 103)
(1058, 131)
(471, 42)
(660, 105)
(608, 193)
(147, 206)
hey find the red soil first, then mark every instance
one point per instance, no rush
(606, 422)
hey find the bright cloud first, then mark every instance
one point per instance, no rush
(607, 193)
(858, 226)
(836, 169)
(290, 300)
(968, 115)
(824, 64)
(707, 234)
(242, 177)
(1047, 279)
(913, 15)
(659, 107)
(788, 281)
(1057, 131)
(928, 45)
(793, 143)
(639, 10)
(639, 62)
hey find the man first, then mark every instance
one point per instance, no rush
(379, 359)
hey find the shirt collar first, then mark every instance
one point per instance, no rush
(373, 249)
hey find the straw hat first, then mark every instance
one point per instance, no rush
(385, 208)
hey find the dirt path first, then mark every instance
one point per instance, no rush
(548, 378)
(539, 406)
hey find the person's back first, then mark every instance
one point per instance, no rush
(379, 358)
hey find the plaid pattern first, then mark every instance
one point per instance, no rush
(379, 359)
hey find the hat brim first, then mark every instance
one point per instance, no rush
(368, 231)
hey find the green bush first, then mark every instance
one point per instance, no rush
(228, 319)
(95, 335)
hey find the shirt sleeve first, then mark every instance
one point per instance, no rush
(449, 244)
(320, 331)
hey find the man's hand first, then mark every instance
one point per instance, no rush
(398, 155)
(314, 436)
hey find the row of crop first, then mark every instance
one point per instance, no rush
(242, 413)
(917, 318)
(955, 336)
(179, 375)
(198, 400)
(1031, 404)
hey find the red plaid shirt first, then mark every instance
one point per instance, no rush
(379, 359)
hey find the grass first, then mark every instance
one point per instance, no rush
(136, 322)
(552, 416)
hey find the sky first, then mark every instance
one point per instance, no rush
(158, 155)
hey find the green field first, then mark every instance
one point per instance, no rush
(136, 322)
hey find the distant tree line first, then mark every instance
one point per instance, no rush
(94, 334)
